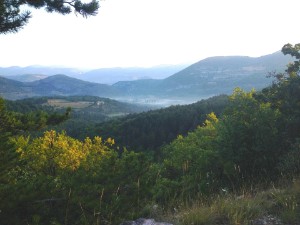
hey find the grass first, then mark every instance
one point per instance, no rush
(223, 210)
(287, 203)
(281, 203)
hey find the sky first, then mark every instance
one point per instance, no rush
(146, 33)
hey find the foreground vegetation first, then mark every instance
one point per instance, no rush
(276, 205)
(228, 170)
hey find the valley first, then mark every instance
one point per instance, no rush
(206, 78)
(149, 112)
(77, 152)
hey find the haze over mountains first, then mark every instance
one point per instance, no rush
(208, 77)
(102, 75)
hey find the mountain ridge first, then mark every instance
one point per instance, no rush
(100, 75)
(203, 79)
(57, 85)
(217, 75)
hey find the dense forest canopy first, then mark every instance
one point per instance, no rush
(252, 139)
(150, 130)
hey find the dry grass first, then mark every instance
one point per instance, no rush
(283, 203)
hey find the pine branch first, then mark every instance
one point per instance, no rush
(12, 19)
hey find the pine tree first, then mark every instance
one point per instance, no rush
(12, 18)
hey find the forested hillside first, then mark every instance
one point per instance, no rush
(86, 111)
(211, 76)
(148, 131)
(56, 85)
(223, 167)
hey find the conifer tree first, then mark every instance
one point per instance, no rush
(12, 18)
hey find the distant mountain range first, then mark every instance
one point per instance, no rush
(27, 77)
(208, 77)
(102, 75)
(16, 71)
(113, 75)
(57, 85)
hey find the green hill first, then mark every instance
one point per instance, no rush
(212, 76)
(57, 85)
(11, 89)
(64, 85)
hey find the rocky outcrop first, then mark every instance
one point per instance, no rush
(267, 220)
(143, 221)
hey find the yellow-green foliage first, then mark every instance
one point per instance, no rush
(56, 179)
(57, 151)
(188, 166)
(52, 152)
(86, 180)
(249, 138)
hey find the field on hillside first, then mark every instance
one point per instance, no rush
(62, 103)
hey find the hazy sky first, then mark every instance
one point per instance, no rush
(153, 32)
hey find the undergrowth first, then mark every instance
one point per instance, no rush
(282, 202)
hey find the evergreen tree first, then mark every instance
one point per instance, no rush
(12, 124)
(12, 18)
